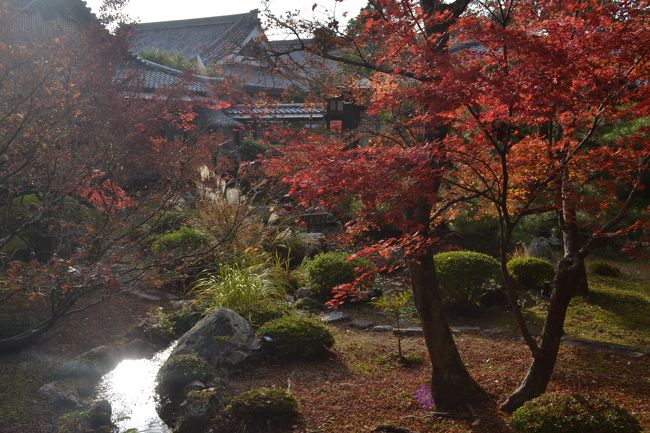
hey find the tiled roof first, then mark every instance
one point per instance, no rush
(210, 38)
(216, 119)
(72, 9)
(277, 112)
(47, 18)
(298, 62)
(153, 77)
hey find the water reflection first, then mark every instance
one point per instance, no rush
(130, 390)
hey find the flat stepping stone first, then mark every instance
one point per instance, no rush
(382, 328)
(408, 332)
(362, 324)
(495, 331)
(465, 328)
(619, 349)
(335, 317)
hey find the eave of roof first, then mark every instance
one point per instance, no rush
(209, 38)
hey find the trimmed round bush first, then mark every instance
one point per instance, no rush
(257, 315)
(295, 337)
(530, 272)
(263, 408)
(184, 238)
(464, 276)
(561, 413)
(604, 269)
(327, 270)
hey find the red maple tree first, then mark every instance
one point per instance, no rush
(499, 101)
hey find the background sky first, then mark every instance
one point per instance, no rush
(166, 10)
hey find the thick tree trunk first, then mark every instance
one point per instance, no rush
(568, 278)
(451, 383)
(582, 288)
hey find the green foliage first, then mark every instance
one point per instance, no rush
(396, 305)
(173, 60)
(170, 221)
(559, 413)
(476, 231)
(327, 270)
(535, 226)
(604, 269)
(249, 150)
(292, 245)
(257, 291)
(464, 276)
(185, 238)
(161, 325)
(257, 315)
(296, 337)
(262, 408)
(624, 128)
(530, 272)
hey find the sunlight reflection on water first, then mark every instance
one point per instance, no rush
(130, 388)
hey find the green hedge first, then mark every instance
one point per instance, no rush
(559, 413)
(464, 276)
(295, 337)
(185, 238)
(530, 272)
(328, 270)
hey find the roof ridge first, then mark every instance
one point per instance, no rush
(251, 16)
(220, 19)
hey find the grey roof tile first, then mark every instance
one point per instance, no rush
(211, 38)
(276, 112)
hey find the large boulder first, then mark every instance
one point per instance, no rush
(215, 346)
(541, 248)
(224, 339)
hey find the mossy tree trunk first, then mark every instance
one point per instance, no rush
(567, 279)
(451, 383)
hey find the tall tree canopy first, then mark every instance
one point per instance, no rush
(497, 101)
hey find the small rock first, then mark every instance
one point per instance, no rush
(274, 218)
(78, 368)
(197, 410)
(137, 348)
(87, 390)
(382, 328)
(494, 331)
(308, 304)
(408, 332)
(101, 357)
(405, 323)
(303, 292)
(197, 385)
(100, 414)
(465, 328)
(335, 317)
(52, 392)
(362, 324)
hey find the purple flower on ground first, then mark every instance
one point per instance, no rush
(423, 397)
